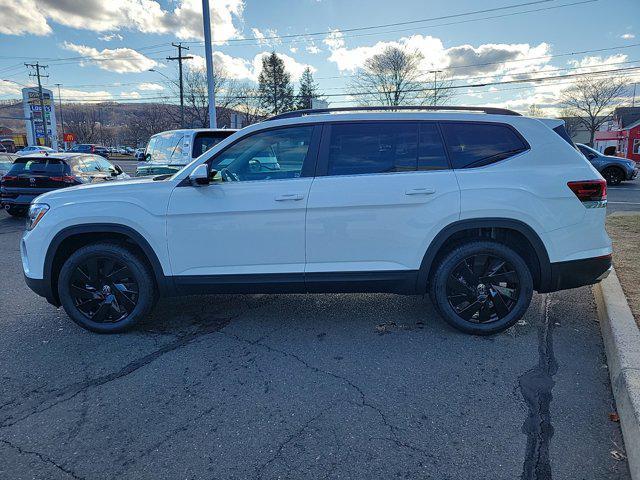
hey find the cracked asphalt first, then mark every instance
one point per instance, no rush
(294, 386)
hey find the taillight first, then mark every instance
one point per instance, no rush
(65, 179)
(9, 177)
(593, 193)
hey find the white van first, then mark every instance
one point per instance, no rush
(169, 151)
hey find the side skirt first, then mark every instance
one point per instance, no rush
(402, 282)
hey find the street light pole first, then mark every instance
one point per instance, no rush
(206, 20)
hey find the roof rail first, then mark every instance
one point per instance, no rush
(316, 111)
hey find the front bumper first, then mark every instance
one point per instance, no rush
(633, 174)
(42, 287)
(578, 273)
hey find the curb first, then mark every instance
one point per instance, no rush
(622, 345)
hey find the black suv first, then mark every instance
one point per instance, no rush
(34, 175)
(90, 148)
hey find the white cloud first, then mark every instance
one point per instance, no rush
(128, 95)
(20, 17)
(243, 69)
(71, 95)
(628, 36)
(119, 60)
(312, 49)
(266, 38)
(293, 49)
(9, 88)
(150, 87)
(148, 16)
(111, 36)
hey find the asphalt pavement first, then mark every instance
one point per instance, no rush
(295, 386)
(624, 197)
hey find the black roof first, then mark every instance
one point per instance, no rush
(627, 115)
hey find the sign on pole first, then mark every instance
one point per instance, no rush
(41, 120)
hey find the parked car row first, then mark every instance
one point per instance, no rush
(24, 177)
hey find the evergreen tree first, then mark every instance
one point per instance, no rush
(308, 90)
(275, 87)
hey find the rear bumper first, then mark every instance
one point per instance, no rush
(577, 273)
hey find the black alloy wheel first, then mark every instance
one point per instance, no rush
(104, 289)
(613, 176)
(483, 288)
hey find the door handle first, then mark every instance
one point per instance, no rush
(420, 191)
(289, 196)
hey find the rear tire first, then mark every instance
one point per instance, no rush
(482, 287)
(106, 288)
(613, 175)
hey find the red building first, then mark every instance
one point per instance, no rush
(620, 136)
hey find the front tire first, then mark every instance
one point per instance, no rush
(16, 211)
(482, 287)
(106, 288)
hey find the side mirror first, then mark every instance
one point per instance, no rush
(145, 157)
(200, 176)
(118, 170)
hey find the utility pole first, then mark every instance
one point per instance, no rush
(206, 20)
(61, 117)
(37, 66)
(180, 58)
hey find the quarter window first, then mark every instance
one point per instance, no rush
(271, 155)
(477, 144)
(380, 147)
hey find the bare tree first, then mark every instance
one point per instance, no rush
(196, 98)
(248, 102)
(394, 77)
(157, 118)
(83, 121)
(571, 123)
(535, 111)
(592, 100)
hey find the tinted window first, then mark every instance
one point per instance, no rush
(560, 130)
(477, 144)
(206, 140)
(431, 153)
(269, 155)
(47, 166)
(381, 147)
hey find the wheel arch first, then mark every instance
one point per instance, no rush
(488, 228)
(71, 238)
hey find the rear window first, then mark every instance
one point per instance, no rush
(381, 147)
(206, 140)
(47, 166)
(477, 144)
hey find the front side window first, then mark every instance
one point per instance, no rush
(270, 155)
(636, 146)
(375, 147)
(477, 144)
(431, 153)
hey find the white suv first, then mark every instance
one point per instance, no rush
(477, 206)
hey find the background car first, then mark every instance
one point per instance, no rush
(33, 175)
(613, 169)
(169, 151)
(90, 148)
(6, 160)
(34, 149)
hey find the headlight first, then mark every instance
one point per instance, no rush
(36, 212)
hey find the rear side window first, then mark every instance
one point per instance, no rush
(41, 166)
(381, 147)
(431, 154)
(477, 144)
(560, 130)
(206, 140)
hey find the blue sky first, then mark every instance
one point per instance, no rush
(101, 50)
